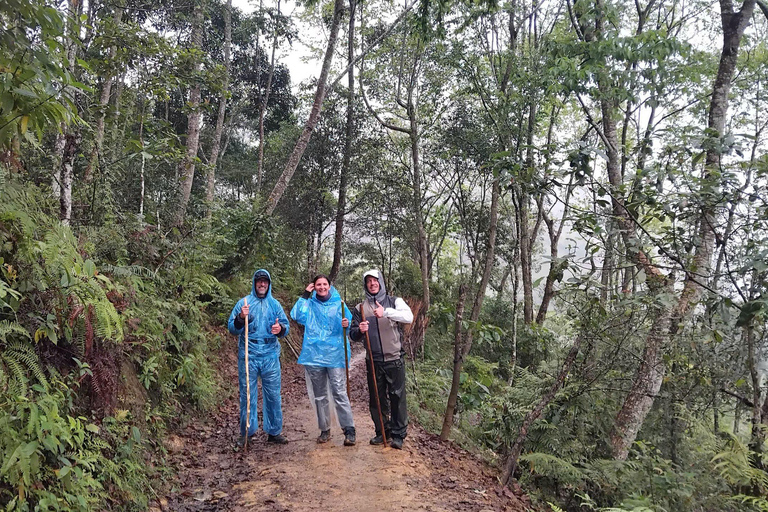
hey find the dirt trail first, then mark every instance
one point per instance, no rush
(303, 475)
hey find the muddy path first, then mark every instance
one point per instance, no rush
(303, 475)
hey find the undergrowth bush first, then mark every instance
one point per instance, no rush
(74, 311)
(563, 461)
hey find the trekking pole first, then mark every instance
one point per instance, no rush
(344, 341)
(373, 372)
(247, 385)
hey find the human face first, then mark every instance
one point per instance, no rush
(262, 285)
(322, 287)
(372, 285)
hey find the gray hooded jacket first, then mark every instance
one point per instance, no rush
(385, 333)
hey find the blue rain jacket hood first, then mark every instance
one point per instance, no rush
(323, 332)
(262, 314)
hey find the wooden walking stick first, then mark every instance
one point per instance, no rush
(344, 341)
(247, 384)
(373, 373)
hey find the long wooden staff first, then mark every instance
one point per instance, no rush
(247, 384)
(373, 372)
(344, 341)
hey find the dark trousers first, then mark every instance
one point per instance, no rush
(390, 379)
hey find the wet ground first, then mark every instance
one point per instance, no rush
(427, 474)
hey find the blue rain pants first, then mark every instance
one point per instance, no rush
(264, 359)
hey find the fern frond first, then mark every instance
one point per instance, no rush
(551, 466)
(127, 271)
(108, 324)
(7, 328)
(24, 353)
(17, 384)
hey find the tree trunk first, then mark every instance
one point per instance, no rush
(524, 233)
(421, 233)
(263, 110)
(317, 105)
(342, 204)
(58, 156)
(510, 466)
(756, 437)
(194, 119)
(71, 145)
(476, 308)
(66, 142)
(106, 90)
(458, 358)
(211, 177)
(143, 163)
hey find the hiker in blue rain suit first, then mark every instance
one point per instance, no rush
(266, 323)
(323, 315)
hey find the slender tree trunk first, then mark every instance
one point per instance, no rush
(609, 265)
(756, 437)
(66, 141)
(476, 308)
(515, 302)
(58, 155)
(458, 357)
(211, 177)
(67, 165)
(263, 110)
(510, 465)
(317, 105)
(345, 167)
(420, 231)
(106, 90)
(523, 209)
(143, 163)
(186, 167)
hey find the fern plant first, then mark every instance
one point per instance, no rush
(737, 464)
(18, 360)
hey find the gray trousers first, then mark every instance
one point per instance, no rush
(323, 381)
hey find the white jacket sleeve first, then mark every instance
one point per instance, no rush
(400, 313)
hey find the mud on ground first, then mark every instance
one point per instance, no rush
(427, 474)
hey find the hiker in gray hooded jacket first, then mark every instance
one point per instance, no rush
(384, 315)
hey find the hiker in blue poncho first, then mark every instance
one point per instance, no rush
(324, 317)
(266, 323)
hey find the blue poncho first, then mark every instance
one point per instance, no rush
(322, 330)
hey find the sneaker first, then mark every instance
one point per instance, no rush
(396, 443)
(278, 439)
(324, 437)
(349, 437)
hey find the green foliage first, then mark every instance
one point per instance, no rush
(743, 469)
(18, 360)
(35, 83)
(52, 460)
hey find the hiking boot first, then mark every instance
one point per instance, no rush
(349, 437)
(324, 437)
(377, 440)
(278, 439)
(240, 442)
(396, 443)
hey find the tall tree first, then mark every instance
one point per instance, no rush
(314, 115)
(195, 115)
(215, 148)
(349, 135)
